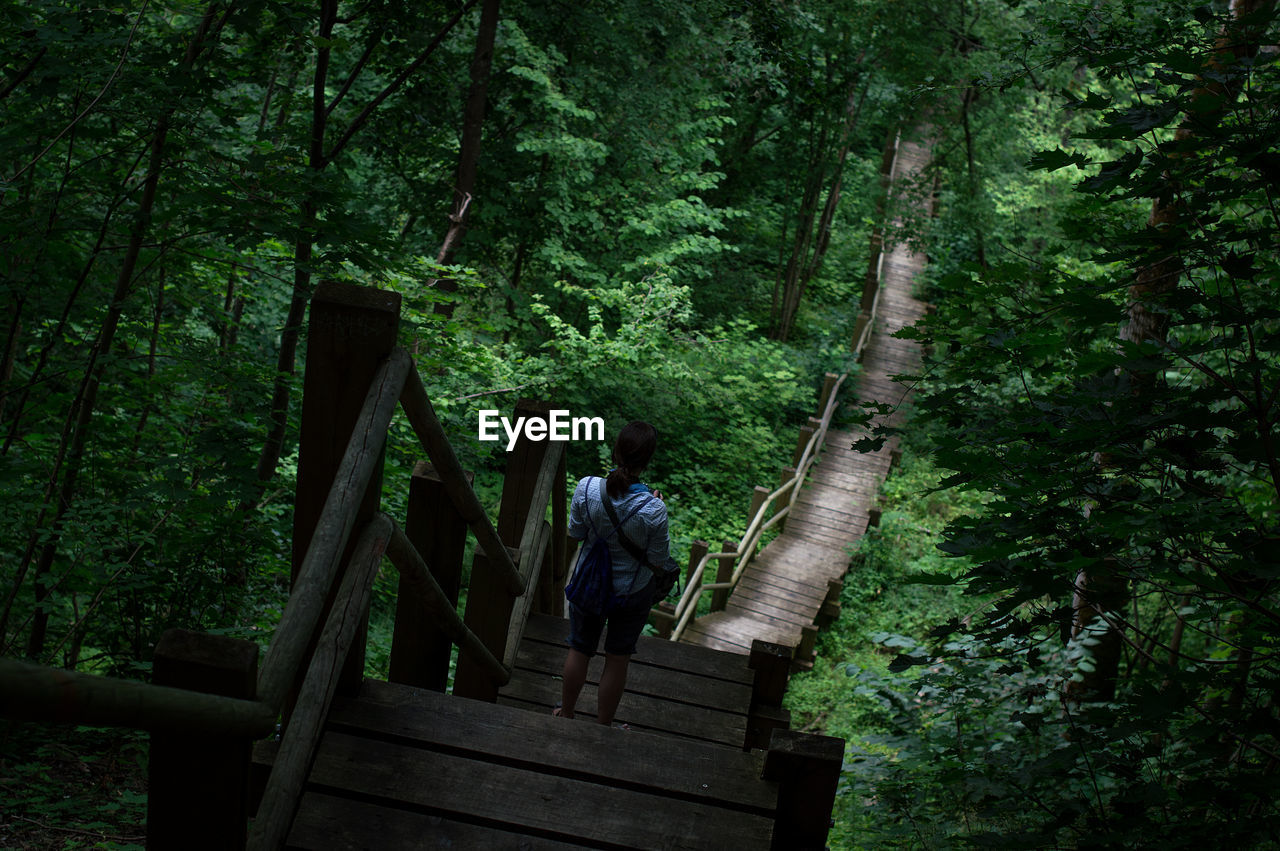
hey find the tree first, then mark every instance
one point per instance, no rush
(1180, 515)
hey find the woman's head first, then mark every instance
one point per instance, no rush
(631, 453)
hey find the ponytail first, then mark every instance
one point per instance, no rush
(631, 453)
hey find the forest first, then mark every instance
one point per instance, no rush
(1064, 632)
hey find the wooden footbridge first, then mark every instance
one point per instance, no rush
(302, 751)
(825, 502)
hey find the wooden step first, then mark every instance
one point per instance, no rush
(404, 767)
(673, 688)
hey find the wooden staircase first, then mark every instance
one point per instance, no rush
(402, 767)
(793, 586)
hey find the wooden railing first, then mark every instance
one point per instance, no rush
(201, 742)
(735, 557)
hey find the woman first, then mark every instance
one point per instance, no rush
(642, 532)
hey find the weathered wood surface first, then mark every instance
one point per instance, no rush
(676, 689)
(397, 761)
(783, 590)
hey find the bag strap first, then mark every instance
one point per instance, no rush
(639, 555)
(613, 518)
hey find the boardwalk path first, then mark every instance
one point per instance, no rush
(401, 767)
(782, 591)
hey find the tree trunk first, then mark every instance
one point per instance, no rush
(87, 396)
(318, 159)
(286, 357)
(1102, 589)
(469, 153)
(809, 245)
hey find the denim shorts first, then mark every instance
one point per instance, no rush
(624, 626)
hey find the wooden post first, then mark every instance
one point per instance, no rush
(785, 475)
(724, 572)
(420, 650)
(697, 550)
(806, 768)
(758, 496)
(489, 603)
(663, 618)
(828, 384)
(772, 666)
(199, 784)
(804, 653)
(830, 609)
(873, 517)
(352, 330)
(806, 432)
(555, 570)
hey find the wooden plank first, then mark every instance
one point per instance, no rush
(641, 711)
(835, 504)
(830, 477)
(750, 594)
(653, 651)
(753, 589)
(742, 629)
(328, 821)
(775, 618)
(807, 585)
(810, 531)
(785, 589)
(695, 634)
(664, 683)
(524, 800)
(502, 734)
(839, 527)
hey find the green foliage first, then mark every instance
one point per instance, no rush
(67, 789)
(1141, 463)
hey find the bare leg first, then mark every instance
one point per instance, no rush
(573, 678)
(612, 681)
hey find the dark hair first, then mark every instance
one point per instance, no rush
(631, 453)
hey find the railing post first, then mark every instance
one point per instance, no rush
(828, 384)
(772, 666)
(420, 650)
(697, 550)
(758, 495)
(806, 768)
(489, 602)
(830, 604)
(352, 330)
(724, 572)
(804, 652)
(784, 499)
(199, 785)
(663, 618)
(806, 432)
(555, 571)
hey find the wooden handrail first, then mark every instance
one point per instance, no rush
(425, 423)
(39, 693)
(302, 735)
(315, 578)
(48, 694)
(686, 609)
(533, 545)
(406, 558)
